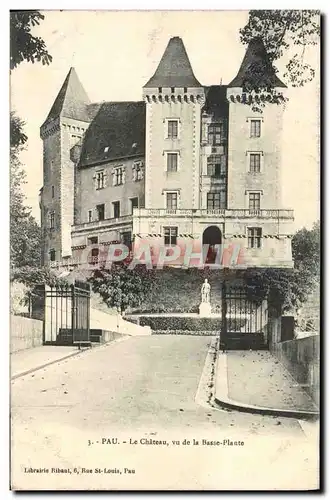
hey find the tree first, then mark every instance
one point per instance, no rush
(290, 288)
(306, 249)
(287, 32)
(23, 45)
(25, 235)
(121, 287)
(31, 276)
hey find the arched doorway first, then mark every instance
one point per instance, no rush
(211, 236)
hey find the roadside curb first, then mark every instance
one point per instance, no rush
(71, 355)
(27, 372)
(222, 399)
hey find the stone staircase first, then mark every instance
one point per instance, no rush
(96, 336)
(243, 341)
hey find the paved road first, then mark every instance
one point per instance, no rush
(145, 388)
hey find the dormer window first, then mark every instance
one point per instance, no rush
(160, 90)
(172, 90)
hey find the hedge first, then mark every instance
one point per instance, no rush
(184, 332)
(181, 323)
(187, 323)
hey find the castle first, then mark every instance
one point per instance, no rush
(187, 163)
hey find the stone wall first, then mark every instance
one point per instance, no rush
(186, 180)
(25, 333)
(240, 179)
(115, 323)
(301, 357)
(87, 196)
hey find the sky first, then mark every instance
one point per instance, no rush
(116, 52)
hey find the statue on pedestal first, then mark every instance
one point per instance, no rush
(205, 306)
(206, 289)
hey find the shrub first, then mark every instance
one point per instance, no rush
(184, 323)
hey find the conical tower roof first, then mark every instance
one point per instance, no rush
(71, 101)
(256, 68)
(174, 69)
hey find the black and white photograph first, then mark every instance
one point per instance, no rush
(165, 250)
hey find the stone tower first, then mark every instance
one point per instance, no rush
(64, 126)
(174, 98)
(255, 137)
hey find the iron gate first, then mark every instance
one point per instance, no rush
(243, 321)
(81, 313)
(65, 311)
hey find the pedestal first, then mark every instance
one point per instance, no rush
(205, 309)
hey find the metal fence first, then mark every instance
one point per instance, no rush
(65, 311)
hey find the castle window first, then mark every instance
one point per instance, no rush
(137, 171)
(116, 209)
(100, 211)
(53, 191)
(118, 176)
(171, 201)
(216, 165)
(170, 235)
(255, 128)
(92, 240)
(255, 162)
(52, 220)
(52, 255)
(172, 162)
(215, 134)
(134, 203)
(160, 90)
(172, 129)
(94, 257)
(254, 237)
(100, 177)
(172, 90)
(126, 238)
(216, 200)
(254, 201)
(185, 90)
(90, 215)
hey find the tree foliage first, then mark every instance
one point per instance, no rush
(25, 233)
(32, 276)
(287, 32)
(24, 46)
(121, 287)
(290, 288)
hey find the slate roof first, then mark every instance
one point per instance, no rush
(119, 126)
(71, 101)
(216, 100)
(174, 69)
(256, 68)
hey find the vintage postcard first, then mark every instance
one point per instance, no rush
(165, 250)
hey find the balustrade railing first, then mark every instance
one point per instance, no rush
(104, 223)
(225, 213)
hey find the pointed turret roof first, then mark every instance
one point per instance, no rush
(71, 101)
(256, 68)
(174, 69)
